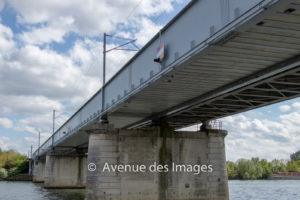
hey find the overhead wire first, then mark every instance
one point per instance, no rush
(132, 11)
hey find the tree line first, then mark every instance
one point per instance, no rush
(256, 168)
(12, 163)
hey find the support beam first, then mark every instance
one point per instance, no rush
(65, 171)
(38, 171)
(160, 145)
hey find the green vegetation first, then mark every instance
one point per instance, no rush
(295, 156)
(12, 163)
(259, 169)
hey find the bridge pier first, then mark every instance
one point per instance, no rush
(38, 171)
(65, 171)
(161, 146)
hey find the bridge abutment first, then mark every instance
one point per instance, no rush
(38, 171)
(65, 171)
(158, 146)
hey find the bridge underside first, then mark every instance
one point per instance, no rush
(278, 88)
(253, 66)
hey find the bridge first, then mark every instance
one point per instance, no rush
(221, 57)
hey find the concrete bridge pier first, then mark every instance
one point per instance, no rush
(38, 170)
(65, 171)
(159, 145)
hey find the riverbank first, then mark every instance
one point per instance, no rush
(284, 176)
(256, 169)
(19, 177)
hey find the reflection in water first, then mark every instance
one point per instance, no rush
(239, 190)
(33, 191)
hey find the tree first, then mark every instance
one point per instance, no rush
(12, 163)
(295, 156)
(293, 166)
(232, 170)
(278, 166)
(266, 167)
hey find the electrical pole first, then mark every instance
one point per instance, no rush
(53, 128)
(103, 69)
(39, 143)
(104, 57)
(29, 167)
(31, 152)
(128, 41)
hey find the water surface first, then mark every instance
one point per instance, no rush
(19, 190)
(239, 190)
(265, 190)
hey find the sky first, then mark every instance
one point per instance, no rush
(51, 58)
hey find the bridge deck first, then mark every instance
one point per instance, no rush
(221, 59)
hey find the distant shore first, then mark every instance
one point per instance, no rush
(256, 169)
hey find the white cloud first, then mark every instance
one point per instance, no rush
(284, 108)
(92, 17)
(4, 142)
(257, 137)
(147, 31)
(31, 71)
(53, 32)
(27, 105)
(18, 144)
(296, 105)
(6, 123)
(6, 41)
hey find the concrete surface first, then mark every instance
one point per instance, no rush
(38, 171)
(65, 171)
(163, 146)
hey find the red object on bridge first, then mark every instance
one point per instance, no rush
(160, 53)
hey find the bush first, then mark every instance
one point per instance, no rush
(13, 172)
(13, 163)
(3, 173)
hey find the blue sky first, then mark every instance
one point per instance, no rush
(50, 58)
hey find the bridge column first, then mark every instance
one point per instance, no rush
(38, 171)
(65, 171)
(157, 146)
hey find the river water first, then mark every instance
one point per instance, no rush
(239, 190)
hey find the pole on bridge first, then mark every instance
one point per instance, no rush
(30, 162)
(39, 143)
(103, 70)
(53, 128)
(119, 47)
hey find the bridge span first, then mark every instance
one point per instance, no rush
(221, 57)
